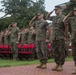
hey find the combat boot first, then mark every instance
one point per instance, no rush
(55, 68)
(40, 65)
(60, 68)
(44, 66)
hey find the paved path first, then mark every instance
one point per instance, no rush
(32, 70)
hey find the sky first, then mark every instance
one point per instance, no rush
(49, 5)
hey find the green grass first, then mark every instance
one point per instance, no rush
(8, 63)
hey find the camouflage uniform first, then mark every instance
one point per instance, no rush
(72, 22)
(31, 37)
(13, 40)
(5, 39)
(57, 39)
(41, 28)
(1, 38)
(23, 37)
(31, 40)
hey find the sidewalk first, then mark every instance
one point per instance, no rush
(32, 70)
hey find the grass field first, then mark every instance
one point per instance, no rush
(8, 63)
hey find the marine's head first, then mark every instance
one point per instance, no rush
(14, 24)
(74, 10)
(57, 10)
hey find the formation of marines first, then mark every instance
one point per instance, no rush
(40, 33)
(13, 36)
(57, 35)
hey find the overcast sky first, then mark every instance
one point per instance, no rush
(49, 4)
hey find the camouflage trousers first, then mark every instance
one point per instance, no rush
(41, 51)
(74, 50)
(59, 51)
(14, 49)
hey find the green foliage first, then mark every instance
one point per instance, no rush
(21, 11)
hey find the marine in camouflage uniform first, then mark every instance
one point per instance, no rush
(41, 28)
(23, 35)
(5, 37)
(1, 37)
(58, 45)
(31, 40)
(14, 32)
(31, 36)
(72, 22)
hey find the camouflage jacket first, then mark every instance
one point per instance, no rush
(6, 39)
(23, 38)
(31, 37)
(57, 27)
(14, 34)
(1, 39)
(41, 28)
(72, 22)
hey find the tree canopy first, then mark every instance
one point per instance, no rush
(20, 11)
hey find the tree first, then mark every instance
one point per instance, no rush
(14, 7)
(22, 10)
